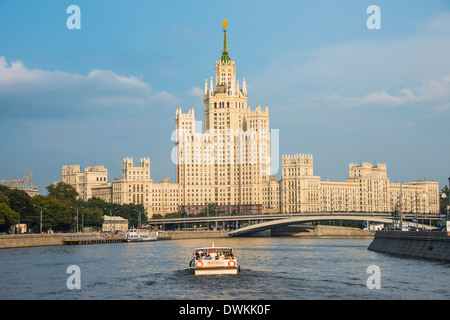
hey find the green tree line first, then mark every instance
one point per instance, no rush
(61, 210)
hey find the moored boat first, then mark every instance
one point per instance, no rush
(214, 260)
(140, 235)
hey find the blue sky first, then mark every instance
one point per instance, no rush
(334, 88)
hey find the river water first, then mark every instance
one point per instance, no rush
(271, 269)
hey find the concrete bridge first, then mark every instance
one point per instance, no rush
(297, 220)
(263, 222)
(268, 225)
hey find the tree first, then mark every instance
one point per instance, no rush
(4, 198)
(91, 211)
(8, 217)
(131, 213)
(56, 214)
(62, 191)
(19, 201)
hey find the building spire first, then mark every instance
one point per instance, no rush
(244, 87)
(225, 58)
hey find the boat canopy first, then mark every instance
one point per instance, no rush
(214, 249)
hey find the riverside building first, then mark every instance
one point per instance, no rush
(229, 163)
(89, 182)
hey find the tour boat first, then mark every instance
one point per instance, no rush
(139, 235)
(214, 260)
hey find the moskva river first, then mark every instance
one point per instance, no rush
(271, 269)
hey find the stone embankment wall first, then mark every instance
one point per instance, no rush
(42, 240)
(423, 245)
(56, 239)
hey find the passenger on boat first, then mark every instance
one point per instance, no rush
(199, 255)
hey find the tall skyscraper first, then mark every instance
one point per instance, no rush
(229, 162)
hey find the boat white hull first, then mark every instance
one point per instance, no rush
(139, 235)
(149, 239)
(215, 271)
(141, 240)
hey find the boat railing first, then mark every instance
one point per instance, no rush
(216, 257)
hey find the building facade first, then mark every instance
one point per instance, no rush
(84, 182)
(113, 224)
(137, 187)
(226, 160)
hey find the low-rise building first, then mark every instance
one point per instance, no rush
(113, 224)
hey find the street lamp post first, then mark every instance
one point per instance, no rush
(215, 209)
(415, 193)
(401, 208)
(444, 196)
(40, 224)
(207, 214)
(139, 216)
(18, 224)
(77, 215)
(424, 195)
(139, 221)
(448, 206)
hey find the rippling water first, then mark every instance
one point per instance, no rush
(271, 269)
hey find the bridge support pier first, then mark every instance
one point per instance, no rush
(263, 233)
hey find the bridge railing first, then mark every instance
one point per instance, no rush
(262, 217)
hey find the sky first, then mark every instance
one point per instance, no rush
(335, 88)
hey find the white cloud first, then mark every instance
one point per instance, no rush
(432, 93)
(112, 77)
(40, 93)
(441, 23)
(165, 98)
(381, 98)
(118, 101)
(15, 73)
(196, 92)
